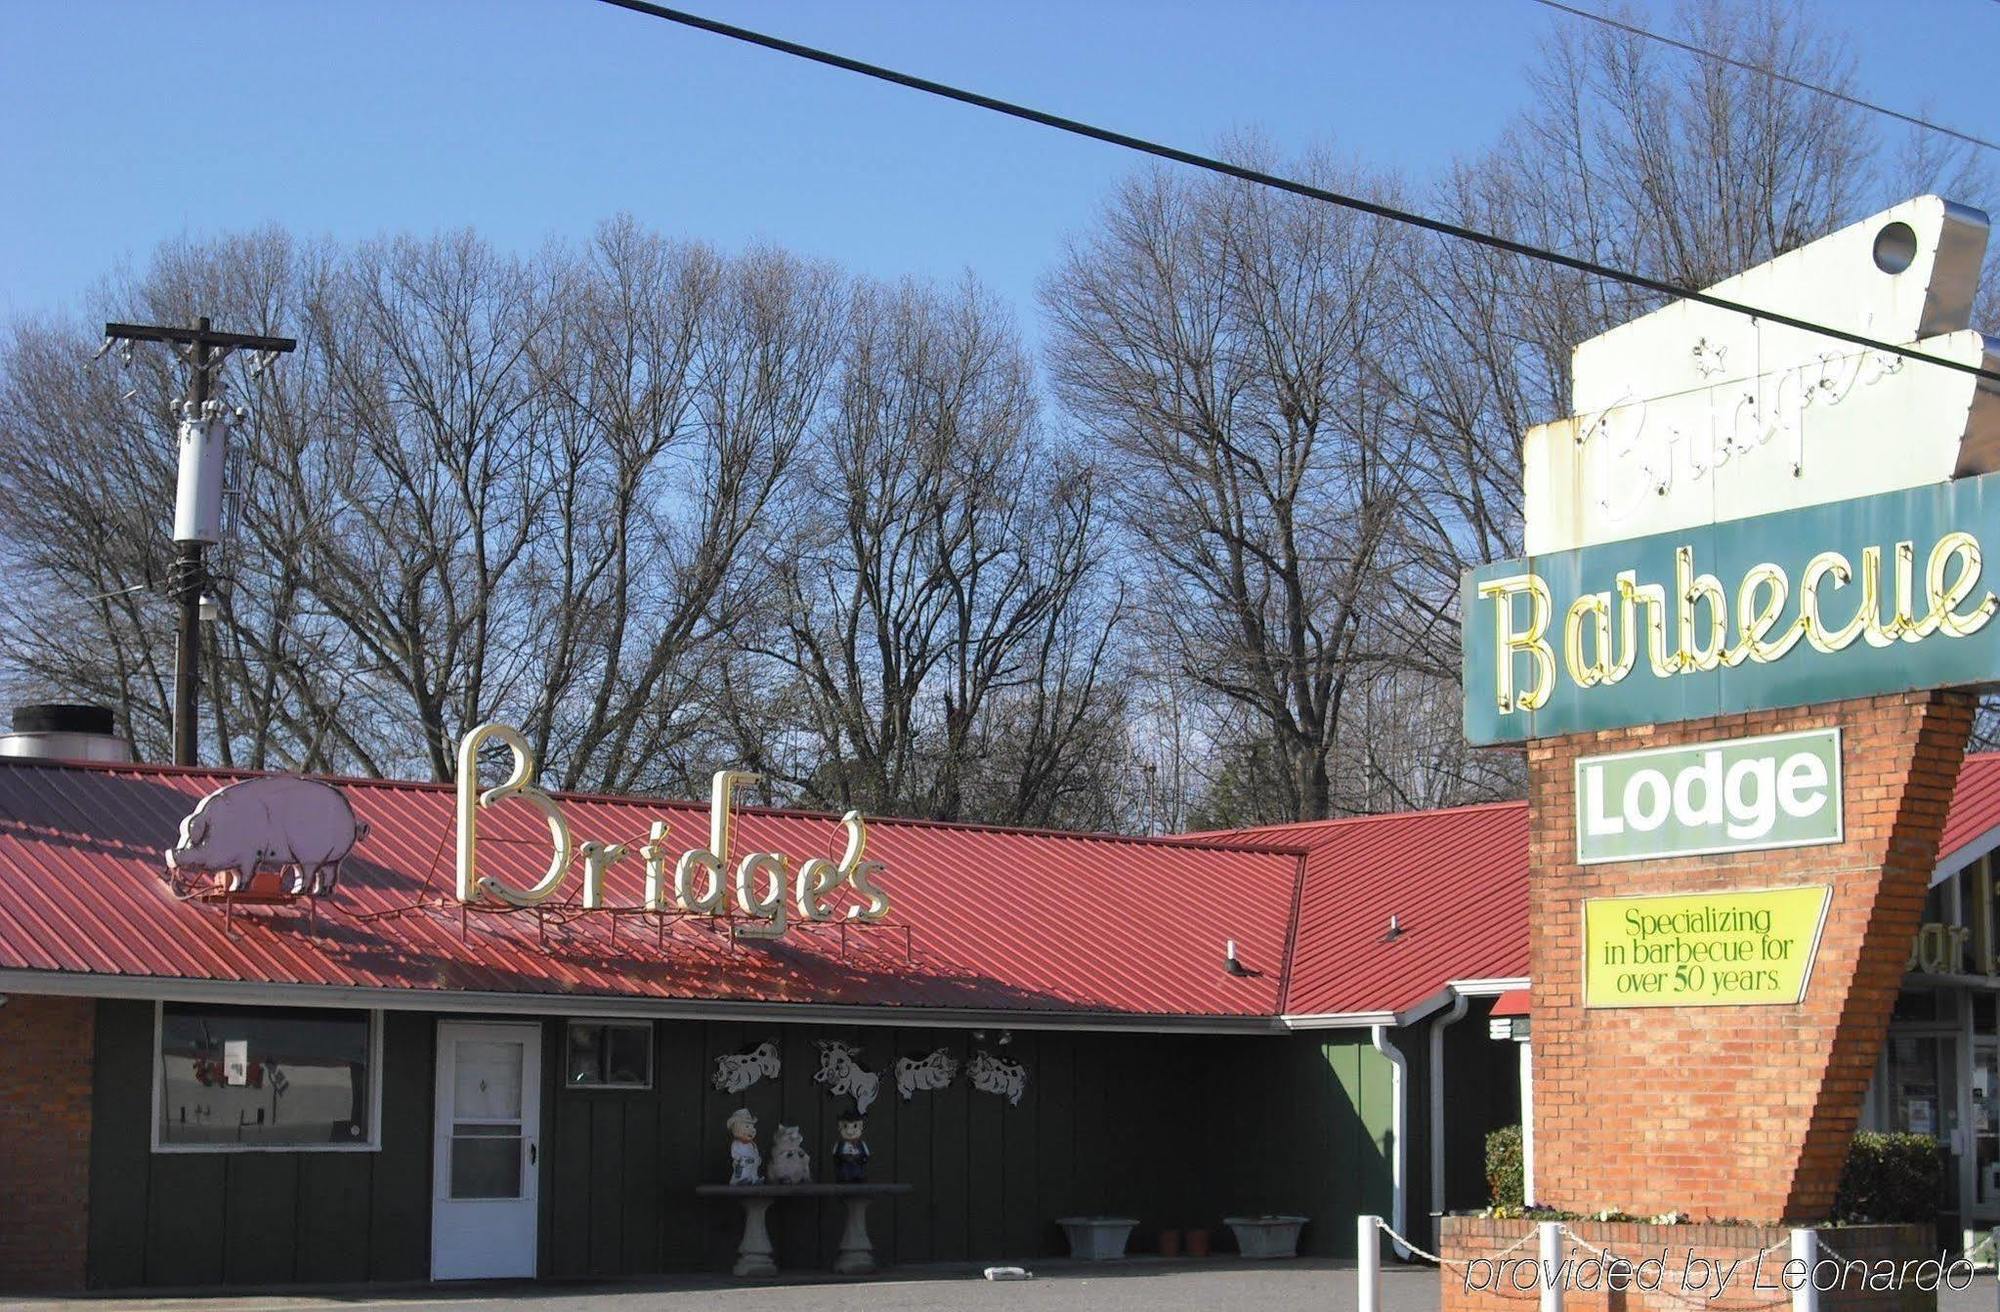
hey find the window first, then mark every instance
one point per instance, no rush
(609, 1055)
(290, 1078)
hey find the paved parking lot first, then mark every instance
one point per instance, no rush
(1137, 1286)
(1141, 1286)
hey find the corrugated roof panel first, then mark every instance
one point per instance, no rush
(995, 918)
(1456, 882)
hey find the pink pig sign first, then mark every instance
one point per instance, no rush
(299, 827)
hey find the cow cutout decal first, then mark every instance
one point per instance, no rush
(844, 1076)
(737, 1071)
(301, 828)
(995, 1074)
(929, 1073)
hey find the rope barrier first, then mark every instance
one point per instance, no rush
(1606, 1254)
(1389, 1230)
(1681, 1296)
(1498, 1291)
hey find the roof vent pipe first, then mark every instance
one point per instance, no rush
(64, 731)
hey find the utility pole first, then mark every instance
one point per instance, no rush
(204, 443)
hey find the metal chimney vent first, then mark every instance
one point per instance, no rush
(64, 731)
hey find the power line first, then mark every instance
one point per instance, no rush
(1748, 67)
(1277, 182)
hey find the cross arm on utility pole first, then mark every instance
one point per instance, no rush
(198, 335)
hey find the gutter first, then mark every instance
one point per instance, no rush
(1398, 1124)
(1451, 1017)
(1361, 1020)
(153, 987)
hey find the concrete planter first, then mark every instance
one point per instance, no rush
(1097, 1238)
(1266, 1236)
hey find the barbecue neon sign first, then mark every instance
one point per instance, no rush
(699, 881)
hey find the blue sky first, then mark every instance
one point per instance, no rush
(128, 122)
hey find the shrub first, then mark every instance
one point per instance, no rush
(1889, 1178)
(1505, 1171)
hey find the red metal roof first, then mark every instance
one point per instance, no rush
(996, 918)
(1456, 882)
(1975, 811)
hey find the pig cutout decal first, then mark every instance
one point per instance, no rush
(300, 827)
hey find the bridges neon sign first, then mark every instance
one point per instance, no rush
(762, 887)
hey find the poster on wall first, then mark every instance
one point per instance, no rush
(236, 1062)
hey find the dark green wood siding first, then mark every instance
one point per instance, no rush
(1177, 1131)
(1322, 1111)
(198, 1219)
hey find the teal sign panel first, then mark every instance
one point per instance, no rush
(1887, 593)
(1732, 795)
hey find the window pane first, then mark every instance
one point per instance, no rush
(485, 1166)
(609, 1056)
(263, 1076)
(487, 1080)
(626, 1056)
(585, 1064)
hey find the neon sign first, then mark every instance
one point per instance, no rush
(762, 887)
(1879, 594)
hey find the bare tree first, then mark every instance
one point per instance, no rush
(1226, 347)
(943, 638)
(1639, 156)
(662, 507)
(483, 487)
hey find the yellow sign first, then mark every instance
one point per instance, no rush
(1702, 949)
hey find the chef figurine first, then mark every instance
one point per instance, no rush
(850, 1155)
(746, 1164)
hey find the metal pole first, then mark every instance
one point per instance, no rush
(1805, 1248)
(1367, 1264)
(1550, 1252)
(189, 584)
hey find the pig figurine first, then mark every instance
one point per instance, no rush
(281, 822)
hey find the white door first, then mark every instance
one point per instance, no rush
(483, 1171)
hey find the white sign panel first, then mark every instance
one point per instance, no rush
(1730, 795)
(1692, 415)
(236, 1061)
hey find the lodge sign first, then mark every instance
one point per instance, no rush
(764, 892)
(1730, 795)
(1877, 594)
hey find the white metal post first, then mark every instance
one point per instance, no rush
(1805, 1248)
(1527, 1121)
(1551, 1256)
(1368, 1264)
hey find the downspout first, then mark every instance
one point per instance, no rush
(1459, 1002)
(1398, 1119)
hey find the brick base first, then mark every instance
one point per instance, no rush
(1490, 1288)
(45, 1063)
(1739, 1112)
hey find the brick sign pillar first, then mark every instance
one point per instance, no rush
(1733, 1111)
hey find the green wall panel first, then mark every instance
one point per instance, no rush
(1177, 1131)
